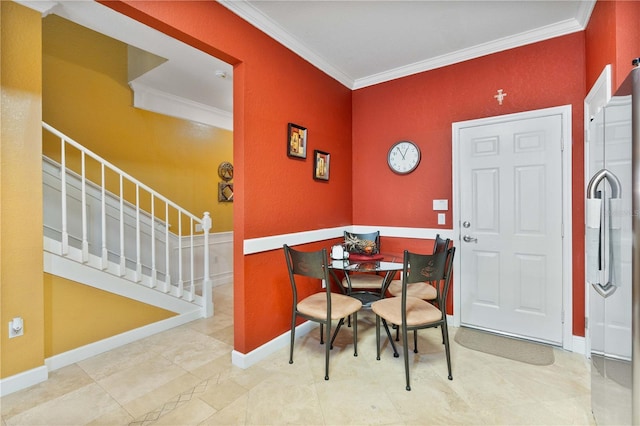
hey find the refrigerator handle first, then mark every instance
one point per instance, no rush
(604, 290)
(613, 180)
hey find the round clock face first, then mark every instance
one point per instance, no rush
(403, 157)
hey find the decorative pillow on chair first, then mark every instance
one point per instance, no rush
(359, 244)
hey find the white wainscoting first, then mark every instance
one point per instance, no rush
(257, 245)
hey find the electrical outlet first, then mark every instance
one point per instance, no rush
(16, 327)
(441, 219)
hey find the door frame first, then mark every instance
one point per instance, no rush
(567, 264)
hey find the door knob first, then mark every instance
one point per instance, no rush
(469, 239)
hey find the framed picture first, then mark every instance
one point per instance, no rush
(321, 165)
(297, 141)
(225, 192)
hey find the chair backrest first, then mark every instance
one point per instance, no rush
(440, 245)
(435, 268)
(311, 264)
(368, 243)
(448, 272)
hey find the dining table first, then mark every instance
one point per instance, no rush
(386, 264)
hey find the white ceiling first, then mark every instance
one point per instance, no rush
(359, 43)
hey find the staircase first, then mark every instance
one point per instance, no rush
(104, 228)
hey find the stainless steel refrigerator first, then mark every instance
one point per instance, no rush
(613, 256)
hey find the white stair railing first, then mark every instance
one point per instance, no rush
(106, 236)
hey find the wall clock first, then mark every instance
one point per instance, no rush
(403, 157)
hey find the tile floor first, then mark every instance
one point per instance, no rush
(184, 376)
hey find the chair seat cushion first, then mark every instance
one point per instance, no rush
(360, 281)
(421, 290)
(419, 312)
(342, 306)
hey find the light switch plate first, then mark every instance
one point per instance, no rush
(441, 219)
(440, 205)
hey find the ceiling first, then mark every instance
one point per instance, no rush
(359, 43)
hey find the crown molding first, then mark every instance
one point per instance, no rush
(247, 12)
(150, 99)
(259, 20)
(528, 37)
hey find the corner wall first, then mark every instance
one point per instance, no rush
(423, 107)
(21, 189)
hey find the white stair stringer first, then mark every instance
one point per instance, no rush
(70, 266)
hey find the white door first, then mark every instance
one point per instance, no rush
(511, 226)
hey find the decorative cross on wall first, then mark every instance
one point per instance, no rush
(500, 96)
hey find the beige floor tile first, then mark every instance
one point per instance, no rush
(233, 414)
(136, 381)
(153, 399)
(292, 404)
(192, 412)
(103, 365)
(184, 377)
(78, 407)
(221, 394)
(214, 367)
(118, 416)
(61, 382)
(350, 402)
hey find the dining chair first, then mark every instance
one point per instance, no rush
(412, 313)
(428, 291)
(321, 307)
(364, 246)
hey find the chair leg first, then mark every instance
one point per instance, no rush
(445, 335)
(378, 337)
(321, 334)
(355, 334)
(397, 332)
(405, 345)
(327, 349)
(335, 333)
(415, 341)
(293, 336)
(393, 346)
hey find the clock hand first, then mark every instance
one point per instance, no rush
(400, 151)
(404, 156)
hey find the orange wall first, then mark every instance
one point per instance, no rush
(274, 194)
(612, 37)
(422, 108)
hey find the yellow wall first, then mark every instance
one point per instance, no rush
(86, 96)
(76, 315)
(75, 80)
(21, 188)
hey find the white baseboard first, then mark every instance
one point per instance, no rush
(23, 380)
(104, 345)
(579, 345)
(258, 354)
